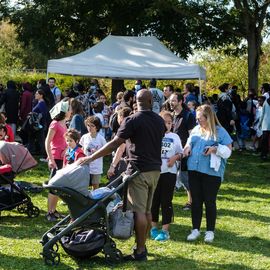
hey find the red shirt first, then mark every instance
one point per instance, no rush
(78, 154)
(10, 135)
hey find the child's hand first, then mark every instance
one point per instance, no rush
(52, 164)
(171, 161)
(187, 151)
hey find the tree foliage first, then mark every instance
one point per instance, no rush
(64, 27)
(10, 50)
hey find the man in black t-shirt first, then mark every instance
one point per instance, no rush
(184, 122)
(142, 132)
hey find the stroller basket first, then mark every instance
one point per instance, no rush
(85, 214)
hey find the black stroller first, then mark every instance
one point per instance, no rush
(15, 158)
(86, 214)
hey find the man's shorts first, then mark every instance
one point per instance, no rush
(94, 179)
(141, 191)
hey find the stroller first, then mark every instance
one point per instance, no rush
(15, 158)
(86, 215)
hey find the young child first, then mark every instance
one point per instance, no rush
(3, 132)
(170, 153)
(10, 135)
(91, 142)
(192, 105)
(74, 152)
(255, 129)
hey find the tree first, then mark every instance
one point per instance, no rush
(241, 19)
(10, 50)
(60, 28)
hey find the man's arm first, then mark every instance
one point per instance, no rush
(104, 151)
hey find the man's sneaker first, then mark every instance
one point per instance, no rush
(187, 207)
(154, 233)
(51, 217)
(136, 257)
(43, 160)
(163, 236)
(209, 237)
(194, 235)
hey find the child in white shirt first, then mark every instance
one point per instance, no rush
(91, 142)
(170, 153)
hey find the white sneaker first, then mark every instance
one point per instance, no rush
(194, 235)
(209, 237)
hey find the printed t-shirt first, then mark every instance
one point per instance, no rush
(91, 145)
(171, 145)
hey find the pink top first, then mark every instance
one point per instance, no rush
(58, 143)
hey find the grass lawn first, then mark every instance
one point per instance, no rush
(242, 234)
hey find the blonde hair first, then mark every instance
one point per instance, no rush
(211, 118)
(164, 114)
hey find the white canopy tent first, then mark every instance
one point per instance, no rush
(126, 57)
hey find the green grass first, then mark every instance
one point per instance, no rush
(242, 231)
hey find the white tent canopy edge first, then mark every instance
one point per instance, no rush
(127, 57)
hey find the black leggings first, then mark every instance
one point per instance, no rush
(163, 197)
(204, 189)
(59, 164)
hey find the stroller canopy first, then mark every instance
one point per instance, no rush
(17, 156)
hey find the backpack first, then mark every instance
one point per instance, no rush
(32, 122)
(244, 127)
(53, 91)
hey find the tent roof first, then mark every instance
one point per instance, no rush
(127, 57)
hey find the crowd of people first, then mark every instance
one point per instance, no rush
(175, 138)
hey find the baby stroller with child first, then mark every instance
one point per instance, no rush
(15, 158)
(85, 231)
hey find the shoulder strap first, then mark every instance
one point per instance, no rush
(53, 91)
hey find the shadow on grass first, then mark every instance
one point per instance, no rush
(180, 262)
(154, 262)
(16, 262)
(243, 193)
(243, 214)
(233, 242)
(23, 226)
(159, 262)
(225, 240)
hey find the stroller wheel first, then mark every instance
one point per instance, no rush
(22, 208)
(52, 259)
(115, 256)
(33, 212)
(113, 245)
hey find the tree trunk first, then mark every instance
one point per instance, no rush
(254, 51)
(117, 86)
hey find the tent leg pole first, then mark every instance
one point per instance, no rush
(200, 86)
